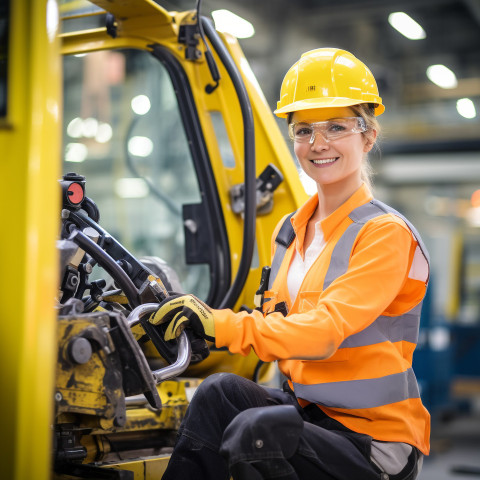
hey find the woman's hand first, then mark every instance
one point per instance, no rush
(183, 310)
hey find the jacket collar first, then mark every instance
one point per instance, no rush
(302, 216)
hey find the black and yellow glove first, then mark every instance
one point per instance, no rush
(183, 310)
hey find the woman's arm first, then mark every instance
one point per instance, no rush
(378, 268)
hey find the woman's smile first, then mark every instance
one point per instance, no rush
(324, 162)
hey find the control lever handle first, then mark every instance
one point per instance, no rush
(184, 347)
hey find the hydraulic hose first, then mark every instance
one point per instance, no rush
(235, 289)
(109, 264)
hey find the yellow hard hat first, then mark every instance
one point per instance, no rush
(327, 77)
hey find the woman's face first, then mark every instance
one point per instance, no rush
(338, 161)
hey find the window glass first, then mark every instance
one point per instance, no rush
(221, 134)
(123, 132)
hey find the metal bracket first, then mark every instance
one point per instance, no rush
(189, 35)
(111, 25)
(267, 183)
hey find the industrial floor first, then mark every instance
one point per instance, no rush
(455, 448)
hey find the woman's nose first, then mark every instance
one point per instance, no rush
(318, 141)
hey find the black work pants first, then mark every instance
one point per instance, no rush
(227, 431)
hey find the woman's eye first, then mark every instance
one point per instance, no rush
(303, 131)
(336, 128)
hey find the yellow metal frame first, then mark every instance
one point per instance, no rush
(29, 200)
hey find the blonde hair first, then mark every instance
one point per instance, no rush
(367, 112)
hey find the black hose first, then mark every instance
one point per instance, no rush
(235, 289)
(109, 264)
(212, 66)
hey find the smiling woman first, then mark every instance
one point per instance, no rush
(345, 290)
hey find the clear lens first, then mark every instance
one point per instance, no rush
(330, 130)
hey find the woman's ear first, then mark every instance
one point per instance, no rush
(370, 141)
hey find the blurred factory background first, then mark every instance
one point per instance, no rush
(425, 55)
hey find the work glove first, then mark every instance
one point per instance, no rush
(183, 310)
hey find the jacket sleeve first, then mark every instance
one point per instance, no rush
(378, 269)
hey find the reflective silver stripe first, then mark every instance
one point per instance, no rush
(387, 329)
(341, 254)
(366, 212)
(342, 251)
(368, 393)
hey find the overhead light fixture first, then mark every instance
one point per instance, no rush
(228, 22)
(406, 25)
(442, 76)
(466, 108)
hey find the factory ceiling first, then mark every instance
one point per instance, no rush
(420, 115)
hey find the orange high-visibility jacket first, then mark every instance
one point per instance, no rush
(348, 339)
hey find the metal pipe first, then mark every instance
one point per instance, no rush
(139, 312)
(181, 364)
(136, 400)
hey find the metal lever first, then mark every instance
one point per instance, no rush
(184, 347)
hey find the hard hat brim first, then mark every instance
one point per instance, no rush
(325, 102)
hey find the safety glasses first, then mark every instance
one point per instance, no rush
(331, 130)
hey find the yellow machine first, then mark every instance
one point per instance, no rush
(157, 166)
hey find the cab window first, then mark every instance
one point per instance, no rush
(123, 131)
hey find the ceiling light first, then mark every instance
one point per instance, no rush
(442, 76)
(466, 108)
(228, 22)
(406, 25)
(141, 104)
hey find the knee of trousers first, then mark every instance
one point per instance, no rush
(216, 385)
(262, 432)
